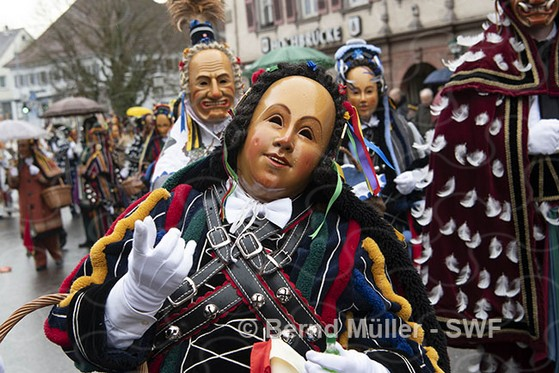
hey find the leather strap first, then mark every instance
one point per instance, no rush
(254, 272)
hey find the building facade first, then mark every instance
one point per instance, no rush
(415, 36)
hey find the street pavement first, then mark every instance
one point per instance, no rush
(26, 349)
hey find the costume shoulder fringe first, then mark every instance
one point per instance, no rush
(183, 11)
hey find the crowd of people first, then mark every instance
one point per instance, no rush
(313, 204)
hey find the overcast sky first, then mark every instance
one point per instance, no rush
(33, 15)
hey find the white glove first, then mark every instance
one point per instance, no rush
(154, 273)
(347, 361)
(543, 137)
(14, 172)
(405, 182)
(33, 170)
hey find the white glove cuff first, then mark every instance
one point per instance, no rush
(124, 323)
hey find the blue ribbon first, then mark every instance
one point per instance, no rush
(183, 113)
(374, 148)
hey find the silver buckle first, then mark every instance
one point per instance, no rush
(223, 231)
(194, 292)
(255, 252)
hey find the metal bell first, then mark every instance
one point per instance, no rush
(283, 294)
(257, 300)
(288, 336)
(173, 333)
(312, 333)
(211, 311)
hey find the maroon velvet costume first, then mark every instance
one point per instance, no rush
(471, 239)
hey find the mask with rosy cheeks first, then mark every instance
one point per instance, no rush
(211, 85)
(534, 12)
(362, 91)
(287, 137)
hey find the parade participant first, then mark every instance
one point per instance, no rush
(164, 119)
(360, 69)
(210, 83)
(490, 237)
(273, 237)
(39, 225)
(98, 176)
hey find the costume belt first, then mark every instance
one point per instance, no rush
(254, 277)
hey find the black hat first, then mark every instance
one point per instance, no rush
(201, 32)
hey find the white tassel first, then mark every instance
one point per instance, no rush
(448, 188)
(473, 56)
(449, 227)
(464, 232)
(460, 152)
(522, 68)
(425, 255)
(438, 144)
(452, 263)
(506, 214)
(498, 20)
(436, 109)
(495, 248)
(538, 233)
(493, 38)
(469, 40)
(475, 241)
(435, 294)
(476, 158)
(417, 240)
(485, 25)
(495, 127)
(514, 288)
(469, 199)
(518, 46)
(493, 207)
(453, 65)
(519, 312)
(424, 274)
(502, 286)
(500, 100)
(501, 64)
(512, 251)
(544, 209)
(461, 114)
(464, 275)
(508, 310)
(418, 209)
(482, 119)
(484, 279)
(497, 168)
(481, 308)
(461, 301)
(426, 217)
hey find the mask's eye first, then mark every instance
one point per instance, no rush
(305, 132)
(276, 119)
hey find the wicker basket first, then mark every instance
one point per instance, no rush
(57, 196)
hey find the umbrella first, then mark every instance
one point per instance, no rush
(20, 130)
(438, 77)
(290, 54)
(71, 106)
(138, 111)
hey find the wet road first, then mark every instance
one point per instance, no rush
(26, 349)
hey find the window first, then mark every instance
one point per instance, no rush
(309, 8)
(2, 81)
(354, 3)
(266, 12)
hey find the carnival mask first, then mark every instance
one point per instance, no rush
(362, 91)
(534, 12)
(211, 85)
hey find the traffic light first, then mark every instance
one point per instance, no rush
(25, 109)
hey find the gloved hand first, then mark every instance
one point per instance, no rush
(347, 361)
(543, 137)
(405, 182)
(33, 170)
(154, 273)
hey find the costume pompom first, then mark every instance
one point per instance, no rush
(183, 11)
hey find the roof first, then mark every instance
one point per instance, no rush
(7, 37)
(159, 31)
